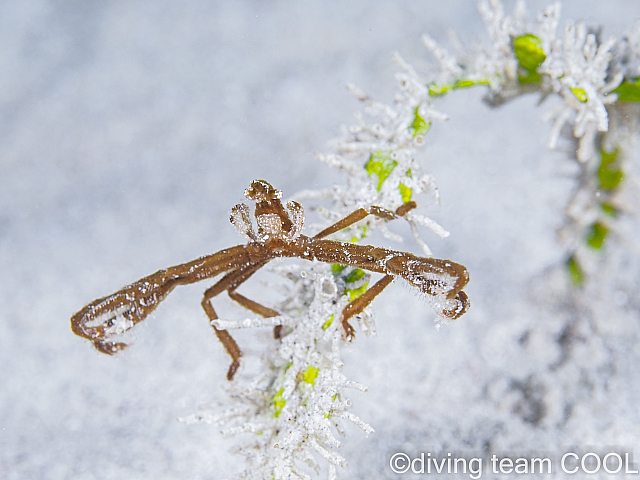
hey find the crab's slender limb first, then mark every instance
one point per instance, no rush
(257, 308)
(432, 276)
(229, 283)
(357, 305)
(362, 213)
(422, 272)
(405, 208)
(112, 315)
(461, 307)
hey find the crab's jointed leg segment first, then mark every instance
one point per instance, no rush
(229, 283)
(357, 305)
(362, 213)
(257, 308)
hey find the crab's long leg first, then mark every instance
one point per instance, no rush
(258, 309)
(357, 305)
(418, 271)
(230, 282)
(112, 315)
(362, 213)
(432, 276)
(461, 307)
(255, 307)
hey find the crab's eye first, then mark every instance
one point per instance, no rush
(261, 190)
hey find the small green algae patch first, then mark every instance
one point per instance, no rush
(380, 163)
(528, 78)
(609, 173)
(436, 90)
(529, 52)
(354, 275)
(278, 402)
(580, 94)
(328, 322)
(310, 375)
(419, 125)
(336, 268)
(629, 90)
(576, 275)
(405, 192)
(351, 277)
(356, 292)
(609, 209)
(597, 235)
(363, 233)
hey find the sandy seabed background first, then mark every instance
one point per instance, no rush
(128, 129)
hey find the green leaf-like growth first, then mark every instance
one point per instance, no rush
(470, 83)
(609, 173)
(629, 90)
(310, 374)
(529, 52)
(597, 235)
(380, 163)
(609, 209)
(405, 192)
(580, 94)
(576, 275)
(419, 126)
(328, 322)
(528, 78)
(352, 277)
(336, 268)
(436, 90)
(278, 402)
(356, 292)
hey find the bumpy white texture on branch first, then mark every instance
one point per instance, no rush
(581, 69)
(578, 69)
(498, 64)
(379, 156)
(575, 67)
(292, 412)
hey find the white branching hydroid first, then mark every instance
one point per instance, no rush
(578, 70)
(293, 411)
(379, 156)
(594, 80)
